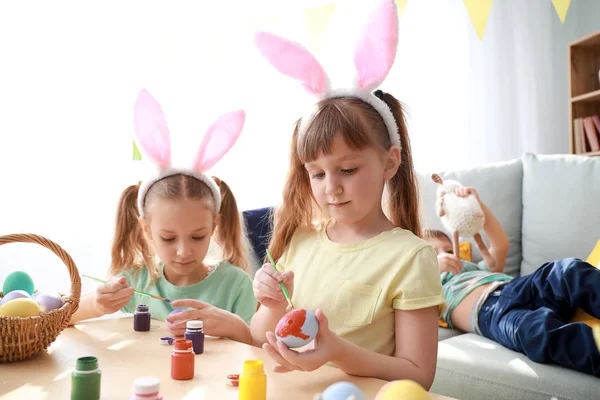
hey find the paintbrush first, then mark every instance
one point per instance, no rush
(285, 292)
(135, 291)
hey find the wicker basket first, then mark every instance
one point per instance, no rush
(21, 338)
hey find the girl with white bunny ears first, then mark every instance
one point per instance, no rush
(175, 212)
(374, 277)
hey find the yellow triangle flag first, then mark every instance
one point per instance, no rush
(316, 21)
(561, 7)
(401, 6)
(479, 10)
(137, 156)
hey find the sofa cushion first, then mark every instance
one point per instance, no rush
(499, 186)
(473, 367)
(561, 208)
(447, 333)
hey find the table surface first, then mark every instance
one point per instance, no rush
(124, 354)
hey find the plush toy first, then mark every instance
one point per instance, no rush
(462, 216)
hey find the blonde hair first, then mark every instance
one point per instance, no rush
(361, 127)
(131, 250)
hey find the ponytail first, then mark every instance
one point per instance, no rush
(296, 209)
(231, 234)
(403, 187)
(130, 248)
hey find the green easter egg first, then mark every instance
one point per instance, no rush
(18, 280)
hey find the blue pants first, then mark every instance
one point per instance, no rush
(531, 314)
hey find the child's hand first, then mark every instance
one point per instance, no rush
(113, 295)
(267, 289)
(449, 263)
(215, 320)
(325, 348)
(467, 191)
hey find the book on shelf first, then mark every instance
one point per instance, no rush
(586, 134)
(591, 134)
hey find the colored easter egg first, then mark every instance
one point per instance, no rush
(20, 308)
(15, 294)
(18, 280)
(342, 391)
(176, 311)
(297, 328)
(48, 301)
(402, 390)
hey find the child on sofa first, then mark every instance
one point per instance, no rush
(529, 314)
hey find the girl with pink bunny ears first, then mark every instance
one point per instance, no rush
(372, 281)
(175, 213)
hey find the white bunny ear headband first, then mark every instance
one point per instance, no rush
(374, 56)
(153, 138)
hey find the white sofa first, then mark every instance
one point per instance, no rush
(550, 209)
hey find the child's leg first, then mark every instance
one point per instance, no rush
(543, 337)
(562, 285)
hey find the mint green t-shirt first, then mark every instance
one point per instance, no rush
(227, 287)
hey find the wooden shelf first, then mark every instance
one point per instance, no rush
(587, 41)
(590, 153)
(584, 91)
(587, 97)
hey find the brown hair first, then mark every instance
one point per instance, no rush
(435, 234)
(361, 126)
(131, 250)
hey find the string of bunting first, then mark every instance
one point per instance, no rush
(316, 19)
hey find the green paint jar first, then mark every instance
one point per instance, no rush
(85, 380)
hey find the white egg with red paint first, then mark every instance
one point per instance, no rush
(297, 328)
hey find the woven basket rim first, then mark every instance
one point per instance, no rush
(74, 298)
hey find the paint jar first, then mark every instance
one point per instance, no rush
(194, 332)
(146, 388)
(182, 360)
(85, 380)
(253, 381)
(141, 318)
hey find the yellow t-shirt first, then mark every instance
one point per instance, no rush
(359, 285)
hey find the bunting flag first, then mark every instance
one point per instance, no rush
(478, 10)
(401, 6)
(561, 7)
(316, 21)
(137, 156)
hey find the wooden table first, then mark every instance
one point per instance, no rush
(124, 355)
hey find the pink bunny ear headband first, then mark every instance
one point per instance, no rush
(152, 134)
(374, 56)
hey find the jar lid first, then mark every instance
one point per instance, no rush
(183, 344)
(142, 308)
(167, 340)
(194, 324)
(253, 367)
(87, 364)
(146, 385)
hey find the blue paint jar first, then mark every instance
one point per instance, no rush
(194, 331)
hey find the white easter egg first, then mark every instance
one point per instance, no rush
(297, 328)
